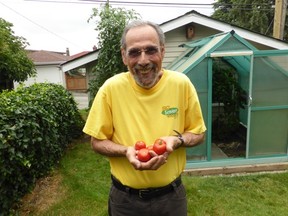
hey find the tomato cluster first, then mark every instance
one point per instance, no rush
(159, 147)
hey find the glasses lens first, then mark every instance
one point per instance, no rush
(151, 50)
(134, 53)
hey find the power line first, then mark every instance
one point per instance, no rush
(130, 3)
(123, 2)
(148, 3)
(40, 26)
(163, 4)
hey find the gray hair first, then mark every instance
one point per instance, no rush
(137, 23)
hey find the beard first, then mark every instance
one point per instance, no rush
(146, 76)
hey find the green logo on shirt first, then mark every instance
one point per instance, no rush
(170, 112)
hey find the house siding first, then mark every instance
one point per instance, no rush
(173, 40)
(178, 36)
(48, 73)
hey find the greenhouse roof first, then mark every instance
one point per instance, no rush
(230, 46)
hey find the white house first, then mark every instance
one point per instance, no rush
(194, 26)
(47, 65)
(61, 68)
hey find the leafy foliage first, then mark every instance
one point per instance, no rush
(110, 26)
(36, 125)
(228, 92)
(15, 65)
(255, 15)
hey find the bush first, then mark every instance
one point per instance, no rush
(36, 125)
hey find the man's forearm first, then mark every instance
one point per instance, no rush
(191, 139)
(108, 148)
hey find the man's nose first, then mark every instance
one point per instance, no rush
(143, 58)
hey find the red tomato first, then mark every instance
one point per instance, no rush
(139, 145)
(143, 155)
(150, 147)
(159, 146)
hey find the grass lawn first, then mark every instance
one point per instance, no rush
(80, 186)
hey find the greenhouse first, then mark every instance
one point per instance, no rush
(258, 99)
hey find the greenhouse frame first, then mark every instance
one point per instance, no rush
(263, 75)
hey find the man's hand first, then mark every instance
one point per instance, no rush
(190, 140)
(153, 164)
(172, 143)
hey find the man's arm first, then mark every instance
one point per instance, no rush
(190, 140)
(108, 148)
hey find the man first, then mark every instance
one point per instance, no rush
(145, 103)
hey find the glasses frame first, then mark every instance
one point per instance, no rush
(149, 50)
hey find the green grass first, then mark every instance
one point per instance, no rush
(262, 194)
(84, 113)
(85, 183)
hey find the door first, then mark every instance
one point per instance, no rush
(268, 108)
(232, 144)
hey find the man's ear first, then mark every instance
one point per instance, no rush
(123, 53)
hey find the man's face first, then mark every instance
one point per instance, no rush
(143, 55)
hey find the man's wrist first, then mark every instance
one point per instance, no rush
(180, 137)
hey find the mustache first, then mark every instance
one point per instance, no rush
(145, 67)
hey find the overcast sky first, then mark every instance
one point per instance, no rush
(55, 25)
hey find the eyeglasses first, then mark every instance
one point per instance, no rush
(150, 50)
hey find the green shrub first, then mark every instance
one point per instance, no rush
(36, 125)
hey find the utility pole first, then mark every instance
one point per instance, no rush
(279, 18)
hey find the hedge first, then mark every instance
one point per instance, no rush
(37, 123)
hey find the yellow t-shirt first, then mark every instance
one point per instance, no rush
(125, 113)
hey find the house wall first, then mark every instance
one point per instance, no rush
(47, 73)
(177, 37)
(173, 40)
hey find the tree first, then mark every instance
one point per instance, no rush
(110, 26)
(15, 65)
(255, 15)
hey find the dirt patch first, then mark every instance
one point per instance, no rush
(233, 149)
(48, 191)
(233, 144)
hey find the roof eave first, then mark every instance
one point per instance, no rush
(57, 63)
(78, 62)
(195, 17)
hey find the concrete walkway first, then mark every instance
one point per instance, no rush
(81, 99)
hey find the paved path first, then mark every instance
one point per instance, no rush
(81, 99)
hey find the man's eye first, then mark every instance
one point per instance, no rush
(151, 50)
(134, 52)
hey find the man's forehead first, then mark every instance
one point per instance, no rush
(142, 35)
